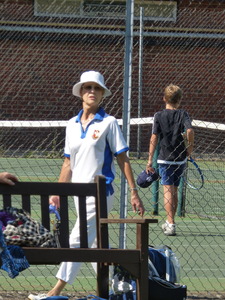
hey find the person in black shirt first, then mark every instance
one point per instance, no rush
(173, 130)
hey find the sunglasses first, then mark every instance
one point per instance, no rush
(88, 88)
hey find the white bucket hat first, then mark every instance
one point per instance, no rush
(90, 76)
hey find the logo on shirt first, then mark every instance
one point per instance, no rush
(96, 134)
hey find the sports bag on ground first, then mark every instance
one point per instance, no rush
(90, 297)
(160, 289)
(163, 263)
(164, 275)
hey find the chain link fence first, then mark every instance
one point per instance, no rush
(46, 45)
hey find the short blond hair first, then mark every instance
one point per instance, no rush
(173, 94)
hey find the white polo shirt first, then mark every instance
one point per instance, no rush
(91, 151)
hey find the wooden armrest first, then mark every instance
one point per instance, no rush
(122, 221)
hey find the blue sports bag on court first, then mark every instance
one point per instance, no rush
(164, 274)
(163, 263)
(92, 297)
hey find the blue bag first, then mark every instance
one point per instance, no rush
(92, 297)
(57, 298)
(163, 263)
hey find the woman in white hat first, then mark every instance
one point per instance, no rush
(93, 138)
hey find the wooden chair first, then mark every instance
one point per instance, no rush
(134, 260)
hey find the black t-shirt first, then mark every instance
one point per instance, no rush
(169, 125)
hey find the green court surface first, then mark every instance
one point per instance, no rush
(199, 243)
(32, 169)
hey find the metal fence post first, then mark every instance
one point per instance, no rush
(126, 109)
(140, 81)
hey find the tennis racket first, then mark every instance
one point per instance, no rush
(194, 176)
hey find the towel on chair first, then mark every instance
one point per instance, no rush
(12, 257)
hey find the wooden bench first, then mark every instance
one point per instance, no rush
(134, 260)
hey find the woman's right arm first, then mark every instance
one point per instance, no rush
(65, 176)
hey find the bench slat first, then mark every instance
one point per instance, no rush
(64, 223)
(26, 203)
(6, 200)
(50, 188)
(57, 255)
(45, 219)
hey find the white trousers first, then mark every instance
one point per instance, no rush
(69, 270)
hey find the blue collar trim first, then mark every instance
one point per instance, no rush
(98, 116)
